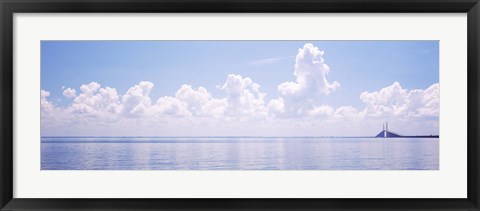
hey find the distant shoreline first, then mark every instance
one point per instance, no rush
(419, 136)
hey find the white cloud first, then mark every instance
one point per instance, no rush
(69, 93)
(303, 96)
(276, 106)
(110, 100)
(188, 101)
(137, 101)
(244, 96)
(90, 88)
(396, 101)
(171, 106)
(348, 113)
(96, 101)
(194, 111)
(216, 107)
(200, 101)
(430, 101)
(53, 118)
(299, 108)
(45, 105)
(323, 110)
(311, 74)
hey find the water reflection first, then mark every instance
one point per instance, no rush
(216, 153)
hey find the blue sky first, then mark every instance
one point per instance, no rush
(358, 66)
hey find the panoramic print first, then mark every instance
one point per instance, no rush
(240, 105)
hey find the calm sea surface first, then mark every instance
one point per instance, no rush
(227, 153)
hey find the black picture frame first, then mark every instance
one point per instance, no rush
(9, 7)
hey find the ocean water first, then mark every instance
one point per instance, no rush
(238, 153)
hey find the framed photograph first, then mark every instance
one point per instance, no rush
(227, 105)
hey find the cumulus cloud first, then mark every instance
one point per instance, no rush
(69, 93)
(52, 116)
(397, 101)
(276, 106)
(244, 96)
(137, 100)
(171, 106)
(323, 110)
(200, 102)
(189, 101)
(311, 74)
(45, 105)
(303, 96)
(242, 107)
(430, 101)
(90, 88)
(347, 113)
(97, 101)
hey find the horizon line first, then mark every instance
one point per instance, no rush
(231, 136)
